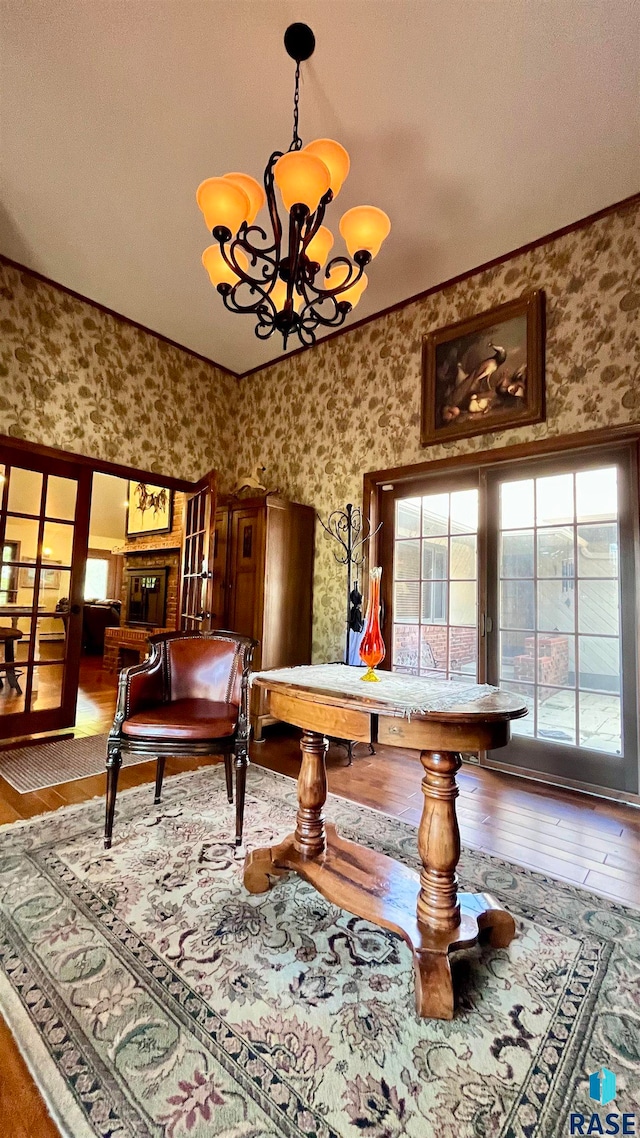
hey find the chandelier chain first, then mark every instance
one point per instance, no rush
(296, 142)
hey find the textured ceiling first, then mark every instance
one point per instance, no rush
(478, 125)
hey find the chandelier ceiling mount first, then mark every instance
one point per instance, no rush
(280, 276)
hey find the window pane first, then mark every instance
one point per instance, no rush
(597, 494)
(408, 560)
(25, 491)
(516, 504)
(516, 559)
(55, 586)
(435, 514)
(599, 663)
(51, 637)
(462, 603)
(464, 511)
(517, 607)
(22, 535)
(47, 686)
(556, 606)
(408, 517)
(554, 499)
(556, 660)
(57, 543)
(434, 602)
(555, 552)
(598, 551)
(557, 715)
(463, 557)
(8, 584)
(463, 650)
(406, 604)
(600, 722)
(405, 646)
(433, 648)
(434, 558)
(525, 726)
(61, 497)
(598, 604)
(517, 656)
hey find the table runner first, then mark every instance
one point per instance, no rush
(413, 695)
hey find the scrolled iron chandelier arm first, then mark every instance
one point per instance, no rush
(290, 290)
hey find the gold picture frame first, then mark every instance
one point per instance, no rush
(485, 373)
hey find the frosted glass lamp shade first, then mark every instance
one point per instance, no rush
(335, 159)
(302, 179)
(364, 227)
(253, 190)
(338, 276)
(223, 203)
(320, 246)
(218, 269)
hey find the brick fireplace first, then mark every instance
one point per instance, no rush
(129, 643)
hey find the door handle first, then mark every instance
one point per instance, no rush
(75, 609)
(202, 615)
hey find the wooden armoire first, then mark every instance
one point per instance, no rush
(263, 582)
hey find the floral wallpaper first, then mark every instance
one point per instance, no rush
(72, 376)
(320, 420)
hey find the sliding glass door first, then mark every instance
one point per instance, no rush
(523, 575)
(561, 608)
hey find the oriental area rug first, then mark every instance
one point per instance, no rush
(151, 995)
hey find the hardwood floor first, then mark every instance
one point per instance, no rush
(587, 841)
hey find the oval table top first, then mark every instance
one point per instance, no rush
(396, 694)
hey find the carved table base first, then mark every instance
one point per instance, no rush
(425, 909)
(383, 891)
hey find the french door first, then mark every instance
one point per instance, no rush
(198, 549)
(44, 526)
(523, 576)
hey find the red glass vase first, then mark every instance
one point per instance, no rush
(372, 650)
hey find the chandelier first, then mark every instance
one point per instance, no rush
(280, 277)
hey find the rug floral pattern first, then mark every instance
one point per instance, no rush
(172, 1003)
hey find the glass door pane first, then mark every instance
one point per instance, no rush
(435, 585)
(559, 601)
(41, 561)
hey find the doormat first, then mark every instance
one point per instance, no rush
(49, 764)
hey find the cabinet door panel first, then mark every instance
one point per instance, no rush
(246, 572)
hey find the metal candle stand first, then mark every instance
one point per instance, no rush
(351, 531)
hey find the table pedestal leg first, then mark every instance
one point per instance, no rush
(447, 920)
(310, 838)
(427, 910)
(309, 841)
(439, 841)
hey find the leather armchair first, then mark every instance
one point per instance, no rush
(190, 697)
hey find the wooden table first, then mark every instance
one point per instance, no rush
(426, 908)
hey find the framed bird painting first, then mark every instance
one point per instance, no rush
(485, 373)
